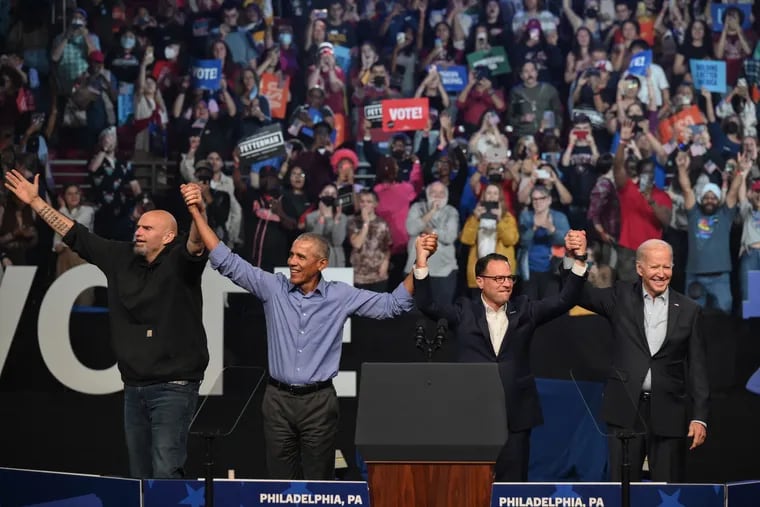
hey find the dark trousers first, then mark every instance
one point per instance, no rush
(667, 455)
(512, 463)
(156, 423)
(300, 433)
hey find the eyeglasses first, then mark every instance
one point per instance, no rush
(204, 180)
(534, 199)
(499, 279)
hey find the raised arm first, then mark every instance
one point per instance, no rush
(29, 194)
(191, 193)
(682, 163)
(626, 134)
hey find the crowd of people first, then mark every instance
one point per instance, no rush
(550, 128)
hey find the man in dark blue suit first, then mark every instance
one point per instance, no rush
(496, 328)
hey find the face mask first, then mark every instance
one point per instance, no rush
(170, 53)
(378, 81)
(328, 200)
(127, 42)
(398, 154)
(591, 13)
(77, 23)
(286, 39)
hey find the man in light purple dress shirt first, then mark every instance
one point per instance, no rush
(305, 316)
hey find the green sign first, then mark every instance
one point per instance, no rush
(494, 58)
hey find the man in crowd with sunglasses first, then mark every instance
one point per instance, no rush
(496, 328)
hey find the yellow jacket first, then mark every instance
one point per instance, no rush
(507, 236)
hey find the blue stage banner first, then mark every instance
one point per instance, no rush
(743, 494)
(606, 495)
(36, 488)
(206, 74)
(250, 493)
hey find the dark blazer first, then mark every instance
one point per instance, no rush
(468, 319)
(680, 391)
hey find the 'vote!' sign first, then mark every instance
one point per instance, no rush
(405, 114)
(206, 74)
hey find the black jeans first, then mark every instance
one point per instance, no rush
(300, 433)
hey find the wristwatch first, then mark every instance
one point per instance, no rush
(583, 257)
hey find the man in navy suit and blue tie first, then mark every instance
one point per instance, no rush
(497, 328)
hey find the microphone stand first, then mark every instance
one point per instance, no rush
(625, 467)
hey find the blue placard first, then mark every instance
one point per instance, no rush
(640, 62)
(125, 103)
(55, 489)
(453, 78)
(606, 495)
(206, 74)
(743, 494)
(708, 74)
(343, 58)
(716, 11)
(160, 493)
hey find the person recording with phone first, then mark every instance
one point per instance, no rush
(491, 228)
(478, 97)
(329, 221)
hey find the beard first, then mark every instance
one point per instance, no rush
(140, 250)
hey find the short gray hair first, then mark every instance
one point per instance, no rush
(323, 247)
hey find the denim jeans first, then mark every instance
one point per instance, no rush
(156, 423)
(717, 286)
(750, 261)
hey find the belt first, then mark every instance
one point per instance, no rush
(299, 389)
(646, 395)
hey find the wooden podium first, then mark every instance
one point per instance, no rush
(430, 432)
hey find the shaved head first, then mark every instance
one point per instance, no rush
(155, 230)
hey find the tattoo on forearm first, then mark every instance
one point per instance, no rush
(55, 220)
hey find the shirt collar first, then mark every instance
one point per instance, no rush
(662, 297)
(502, 308)
(319, 289)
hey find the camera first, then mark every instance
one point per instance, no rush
(482, 72)
(593, 72)
(496, 175)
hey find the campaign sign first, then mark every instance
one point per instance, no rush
(277, 93)
(343, 58)
(716, 11)
(266, 143)
(453, 78)
(589, 494)
(55, 489)
(640, 62)
(676, 125)
(206, 74)
(742, 494)
(495, 59)
(374, 113)
(708, 74)
(160, 493)
(400, 115)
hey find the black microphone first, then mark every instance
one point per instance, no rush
(419, 334)
(441, 330)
